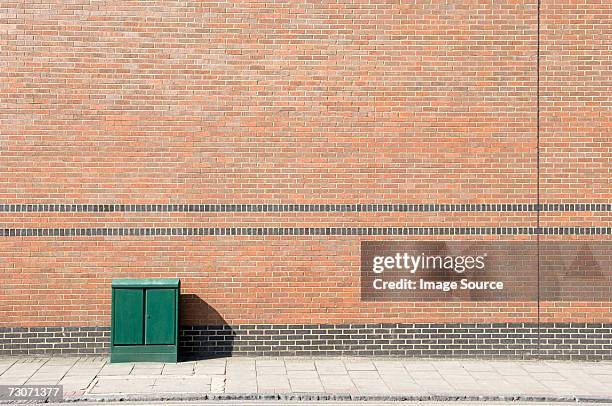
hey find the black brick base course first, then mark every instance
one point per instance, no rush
(54, 340)
(497, 340)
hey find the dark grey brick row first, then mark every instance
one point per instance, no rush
(54, 340)
(486, 340)
(495, 340)
(254, 208)
(261, 231)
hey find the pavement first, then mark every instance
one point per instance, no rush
(309, 379)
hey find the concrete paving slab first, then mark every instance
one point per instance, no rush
(191, 384)
(364, 374)
(54, 369)
(117, 369)
(185, 368)
(484, 375)
(404, 387)
(265, 362)
(125, 385)
(217, 383)
(395, 374)
(605, 379)
(300, 365)
(4, 367)
(495, 386)
(45, 378)
(144, 365)
(14, 380)
(43, 381)
(272, 380)
(240, 364)
(371, 386)
(449, 363)
(213, 366)
(82, 373)
(330, 367)
(388, 363)
(510, 370)
(209, 369)
(74, 383)
(435, 385)
(359, 365)
(147, 369)
(61, 361)
(532, 367)
(303, 375)
(305, 385)
(244, 375)
(30, 366)
(425, 375)
(568, 387)
(578, 376)
(271, 370)
(597, 368)
(527, 385)
(547, 376)
(337, 382)
(278, 385)
(460, 381)
(22, 370)
(215, 361)
(478, 366)
(455, 371)
(461, 373)
(341, 391)
(93, 359)
(36, 359)
(240, 386)
(418, 365)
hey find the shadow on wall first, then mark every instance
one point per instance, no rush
(213, 340)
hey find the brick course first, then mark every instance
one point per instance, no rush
(483, 340)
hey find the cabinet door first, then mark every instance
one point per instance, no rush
(128, 316)
(160, 323)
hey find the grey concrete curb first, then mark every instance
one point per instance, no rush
(337, 397)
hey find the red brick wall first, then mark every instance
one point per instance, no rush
(575, 123)
(268, 102)
(328, 102)
(575, 82)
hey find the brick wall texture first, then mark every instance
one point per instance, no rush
(248, 147)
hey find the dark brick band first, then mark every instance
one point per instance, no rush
(261, 231)
(256, 208)
(54, 340)
(487, 340)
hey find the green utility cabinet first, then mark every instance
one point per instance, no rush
(144, 321)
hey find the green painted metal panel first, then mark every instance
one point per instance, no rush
(160, 323)
(144, 320)
(146, 283)
(128, 317)
(144, 353)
